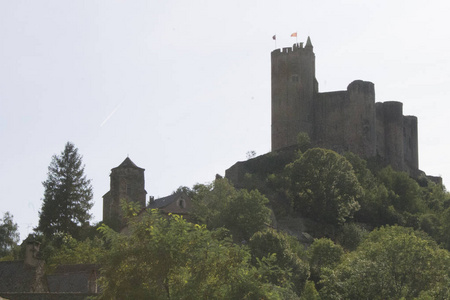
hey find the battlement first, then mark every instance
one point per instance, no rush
(295, 48)
(348, 120)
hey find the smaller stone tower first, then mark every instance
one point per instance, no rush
(127, 183)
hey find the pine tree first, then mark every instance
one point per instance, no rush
(67, 196)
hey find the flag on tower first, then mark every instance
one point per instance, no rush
(294, 34)
(274, 37)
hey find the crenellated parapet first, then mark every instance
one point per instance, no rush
(293, 88)
(348, 120)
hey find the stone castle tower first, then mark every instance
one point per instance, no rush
(348, 120)
(128, 183)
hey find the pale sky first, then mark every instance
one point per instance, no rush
(183, 87)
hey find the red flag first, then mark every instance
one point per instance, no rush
(294, 34)
(274, 37)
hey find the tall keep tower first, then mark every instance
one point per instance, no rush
(294, 85)
(346, 120)
(128, 183)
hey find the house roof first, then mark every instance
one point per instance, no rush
(164, 201)
(127, 163)
(79, 268)
(17, 277)
(72, 278)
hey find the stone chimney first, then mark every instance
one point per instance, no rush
(31, 253)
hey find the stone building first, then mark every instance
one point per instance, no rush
(127, 182)
(178, 203)
(347, 120)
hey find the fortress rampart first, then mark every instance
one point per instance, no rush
(348, 120)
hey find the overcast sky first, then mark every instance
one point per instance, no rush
(183, 87)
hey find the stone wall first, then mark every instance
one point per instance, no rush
(343, 121)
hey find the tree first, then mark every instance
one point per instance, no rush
(67, 195)
(323, 253)
(393, 262)
(169, 258)
(71, 252)
(303, 141)
(221, 205)
(290, 269)
(323, 185)
(404, 192)
(9, 236)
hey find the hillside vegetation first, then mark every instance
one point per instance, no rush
(311, 224)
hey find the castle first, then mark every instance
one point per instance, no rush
(343, 121)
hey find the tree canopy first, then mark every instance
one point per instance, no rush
(67, 196)
(169, 258)
(323, 185)
(9, 236)
(221, 205)
(393, 262)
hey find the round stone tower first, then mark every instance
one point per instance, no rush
(360, 125)
(393, 130)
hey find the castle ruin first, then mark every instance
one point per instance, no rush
(343, 121)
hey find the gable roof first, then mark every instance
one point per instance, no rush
(164, 201)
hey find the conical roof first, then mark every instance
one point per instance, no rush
(127, 163)
(308, 43)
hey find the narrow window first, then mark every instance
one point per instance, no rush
(181, 203)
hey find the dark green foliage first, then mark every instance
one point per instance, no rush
(9, 236)
(221, 205)
(445, 229)
(169, 258)
(67, 195)
(290, 268)
(323, 186)
(71, 251)
(310, 292)
(434, 195)
(351, 235)
(404, 192)
(323, 253)
(393, 262)
(303, 141)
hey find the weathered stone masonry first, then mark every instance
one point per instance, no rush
(347, 120)
(127, 183)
